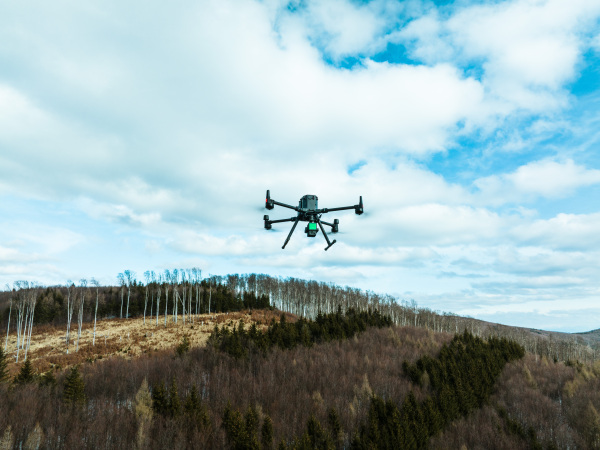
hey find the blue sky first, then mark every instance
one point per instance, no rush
(143, 137)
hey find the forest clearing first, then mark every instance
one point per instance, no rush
(125, 338)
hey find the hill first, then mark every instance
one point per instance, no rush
(341, 380)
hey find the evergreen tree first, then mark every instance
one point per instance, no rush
(26, 374)
(74, 388)
(159, 399)
(334, 424)
(184, 345)
(267, 433)
(174, 407)
(192, 401)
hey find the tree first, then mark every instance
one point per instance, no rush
(3, 367)
(26, 374)
(70, 307)
(184, 346)
(159, 398)
(267, 433)
(129, 279)
(147, 278)
(34, 438)
(174, 407)
(74, 388)
(83, 284)
(591, 426)
(7, 441)
(96, 285)
(121, 279)
(143, 412)
(8, 326)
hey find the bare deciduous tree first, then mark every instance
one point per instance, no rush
(83, 285)
(70, 307)
(95, 283)
(129, 280)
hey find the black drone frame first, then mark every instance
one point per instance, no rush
(308, 212)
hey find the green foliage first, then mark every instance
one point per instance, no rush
(74, 388)
(184, 345)
(514, 427)
(333, 420)
(47, 378)
(238, 342)
(267, 433)
(242, 432)
(461, 378)
(174, 403)
(26, 374)
(159, 399)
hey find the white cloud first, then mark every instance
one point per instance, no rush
(527, 50)
(564, 231)
(545, 178)
(159, 128)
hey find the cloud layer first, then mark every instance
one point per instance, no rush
(144, 136)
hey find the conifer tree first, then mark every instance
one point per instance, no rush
(174, 401)
(26, 374)
(74, 389)
(159, 399)
(267, 433)
(192, 401)
(335, 426)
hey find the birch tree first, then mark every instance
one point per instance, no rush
(31, 302)
(167, 281)
(70, 307)
(121, 279)
(83, 284)
(159, 286)
(20, 317)
(147, 278)
(174, 280)
(94, 283)
(129, 279)
(153, 277)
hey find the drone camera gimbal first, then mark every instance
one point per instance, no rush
(308, 211)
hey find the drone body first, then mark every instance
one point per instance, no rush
(308, 211)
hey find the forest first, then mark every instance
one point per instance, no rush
(185, 293)
(339, 368)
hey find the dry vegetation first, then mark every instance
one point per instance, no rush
(125, 338)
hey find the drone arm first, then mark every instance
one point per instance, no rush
(358, 209)
(291, 231)
(329, 243)
(341, 208)
(295, 208)
(291, 219)
(270, 203)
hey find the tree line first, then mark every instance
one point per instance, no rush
(183, 294)
(238, 342)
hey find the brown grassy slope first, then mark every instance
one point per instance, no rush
(123, 337)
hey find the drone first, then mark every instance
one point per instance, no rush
(308, 211)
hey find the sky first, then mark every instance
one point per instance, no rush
(143, 136)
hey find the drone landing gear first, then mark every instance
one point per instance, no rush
(329, 243)
(291, 232)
